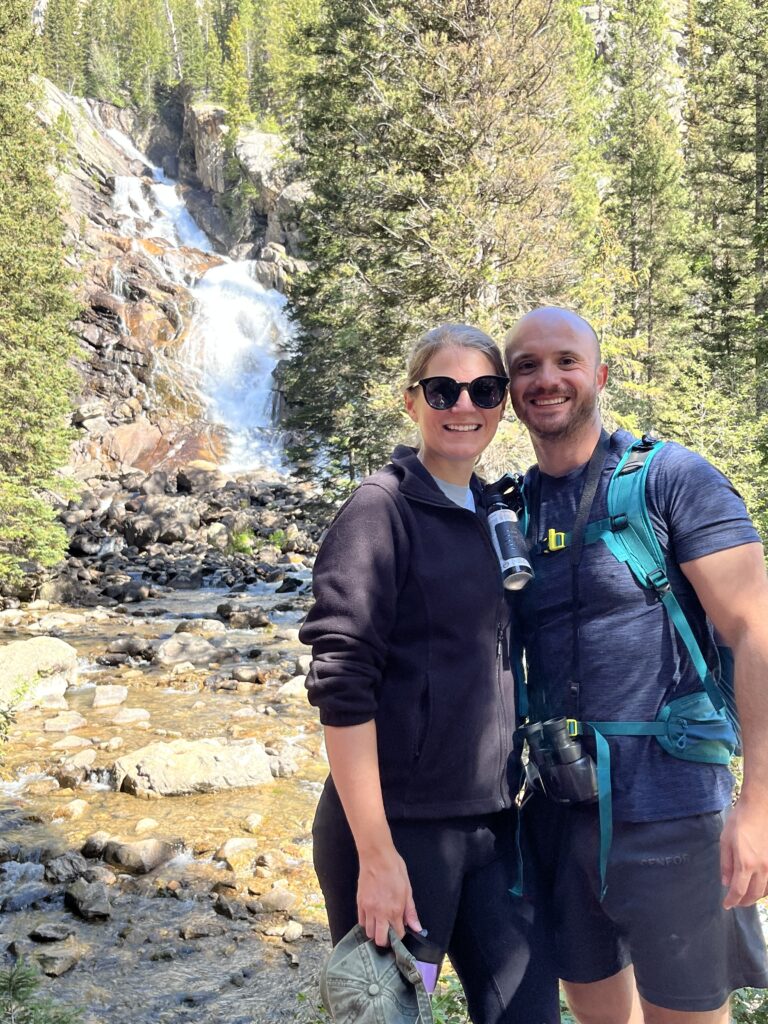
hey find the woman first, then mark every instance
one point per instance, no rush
(411, 673)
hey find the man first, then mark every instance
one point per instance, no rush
(675, 930)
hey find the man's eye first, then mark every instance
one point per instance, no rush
(567, 361)
(525, 367)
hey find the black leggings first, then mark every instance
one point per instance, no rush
(461, 871)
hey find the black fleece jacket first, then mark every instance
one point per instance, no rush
(410, 628)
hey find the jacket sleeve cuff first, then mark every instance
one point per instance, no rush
(344, 718)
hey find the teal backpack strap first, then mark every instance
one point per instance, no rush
(632, 539)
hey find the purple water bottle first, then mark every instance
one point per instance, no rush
(428, 956)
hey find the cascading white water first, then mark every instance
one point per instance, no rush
(240, 328)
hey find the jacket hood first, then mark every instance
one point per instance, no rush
(417, 482)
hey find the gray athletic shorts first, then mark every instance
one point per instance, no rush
(662, 911)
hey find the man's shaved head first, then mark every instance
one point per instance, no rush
(550, 319)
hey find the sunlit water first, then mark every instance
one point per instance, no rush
(239, 332)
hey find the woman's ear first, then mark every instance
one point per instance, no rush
(410, 397)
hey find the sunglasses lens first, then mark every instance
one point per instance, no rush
(486, 392)
(441, 392)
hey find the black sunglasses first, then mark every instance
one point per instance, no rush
(486, 392)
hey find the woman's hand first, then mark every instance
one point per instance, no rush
(384, 895)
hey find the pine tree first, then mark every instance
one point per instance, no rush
(35, 309)
(63, 56)
(429, 135)
(647, 206)
(236, 84)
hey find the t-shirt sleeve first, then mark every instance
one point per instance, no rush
(356, 580)
(697, 507)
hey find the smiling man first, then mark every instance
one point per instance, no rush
(663, 928)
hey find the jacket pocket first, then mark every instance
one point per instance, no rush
(424, 715)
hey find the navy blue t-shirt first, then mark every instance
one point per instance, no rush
(632, 661)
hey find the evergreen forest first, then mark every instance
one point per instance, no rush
(468, 160)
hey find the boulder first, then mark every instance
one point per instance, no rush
(238, 854)
(88, 899)
(23, 896)
(66, 868)
(139, 857)
(192, 766)
(185, 647)
(32, 671)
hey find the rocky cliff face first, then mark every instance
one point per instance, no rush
(154, 509)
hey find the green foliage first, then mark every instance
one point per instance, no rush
(241, 542)
(749, 1006)
(21, 1002)
(277, 538)
(63, 49)
(428, 135)
(35, 309)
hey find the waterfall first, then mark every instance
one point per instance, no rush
(239, 330)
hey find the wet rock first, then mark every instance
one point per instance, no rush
(238, 854)
(69, 776)
(32, 671)
(94, 844)
(134, 646)
(66, 868)
(293, 931)
(141, 532)
(140, 857)
(230, 909)
(100, 873)
(29, 894)
(51, 931)
(65, 722)
(56, 962)
(40, 787)
(145, 825)
(83, 758)
(292, 690)
(253, 823)
(130, 716)
(70, 811)
(201, 928)
(88, 899)
(201, 627)
(185, 647)
(303, 664)
(276, 900)
(253, 618)
(71, 743)
(109, 695)
(192, 766)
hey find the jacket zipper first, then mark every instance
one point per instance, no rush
(503, 753)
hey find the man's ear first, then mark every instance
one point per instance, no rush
(602, 376)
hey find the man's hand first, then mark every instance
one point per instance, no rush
(744, 855)
(384, 896)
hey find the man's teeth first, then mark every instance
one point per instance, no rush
(549, 401)
(462, 426)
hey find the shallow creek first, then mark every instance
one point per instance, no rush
(138, 966)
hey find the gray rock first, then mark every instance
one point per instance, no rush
(185, 647)
(88, 899)
(139, 857)
(56, 962)
(192, 766)
(65, 722)
(277, 899)
(109, 695)
(66, 868)
(94, 844)
(33, 670)
(293, 931)
(26, 895)
(51, 931)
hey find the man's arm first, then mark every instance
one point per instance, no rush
(733, 590)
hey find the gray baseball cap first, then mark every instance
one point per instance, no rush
(361, 983)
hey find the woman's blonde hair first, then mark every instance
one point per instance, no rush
(450, 335)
